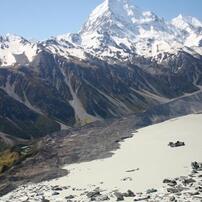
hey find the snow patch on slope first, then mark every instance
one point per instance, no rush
(80, 113)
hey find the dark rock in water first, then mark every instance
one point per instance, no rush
(142, 198)
(70, 197)
(150, 191)
(129, 194)
(119, 196)
(176, 144)
(93, 194)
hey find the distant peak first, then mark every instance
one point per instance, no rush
(188, 19)
(13, 37)
(187, 23)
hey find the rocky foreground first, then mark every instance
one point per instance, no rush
(154, 161)
(183, 188)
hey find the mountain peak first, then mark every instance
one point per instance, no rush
(120, 5)
(111, 12)
(13, 37)
(118, 23)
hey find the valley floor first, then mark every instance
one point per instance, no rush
(141, 163)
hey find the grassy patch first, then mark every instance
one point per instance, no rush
(16, 154)
(7, 159)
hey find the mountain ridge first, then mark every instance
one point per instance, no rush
(102, 72)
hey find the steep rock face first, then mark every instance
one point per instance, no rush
(18, 120)
(75, 92)
(123, 61)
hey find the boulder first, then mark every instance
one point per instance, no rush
(129, 193)
(176, 144)
(172, 198)
(171, 183)
(69, 197)
(188, 181)
(92, 194)
(56, 188)
(173, 190)
(102, 198)
(119, 196)
(196, 166)
(55, 193)
(199, 188)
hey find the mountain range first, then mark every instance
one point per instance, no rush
(123, 61)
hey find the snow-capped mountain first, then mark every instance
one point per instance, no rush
(116, 29)
(119, 26)
(124, 60)
(119, 29)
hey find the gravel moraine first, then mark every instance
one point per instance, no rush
(181, 189)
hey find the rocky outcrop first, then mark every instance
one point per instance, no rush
(176, 144)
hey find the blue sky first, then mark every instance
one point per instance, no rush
(39, 19)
